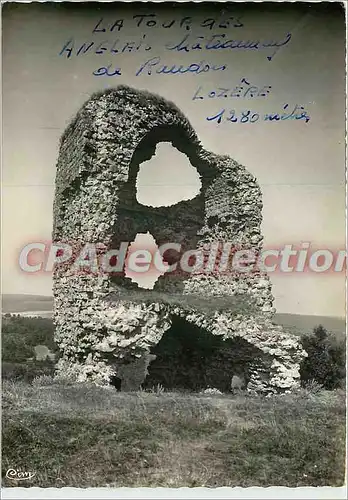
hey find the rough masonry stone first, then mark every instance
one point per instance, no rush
(105, 325)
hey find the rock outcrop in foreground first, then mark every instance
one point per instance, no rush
(107, 327)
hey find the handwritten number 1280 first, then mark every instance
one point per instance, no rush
(245, 117)
(297, 113)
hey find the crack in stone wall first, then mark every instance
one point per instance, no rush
(106, 325)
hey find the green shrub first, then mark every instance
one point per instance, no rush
(26, 371)
(20, 335)
(325, 363)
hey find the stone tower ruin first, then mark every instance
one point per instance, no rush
(106, 326)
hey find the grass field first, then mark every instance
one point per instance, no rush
(84, 436)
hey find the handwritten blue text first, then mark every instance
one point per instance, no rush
(244, 90)
(72, 48)
(248, 116)
(151, 20)
(219, 42)
(155, 65)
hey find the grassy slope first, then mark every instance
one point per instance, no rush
(91, 437)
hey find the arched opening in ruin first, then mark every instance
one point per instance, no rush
(167, 178)
(174, 221)
(191, 358)
(143, 264)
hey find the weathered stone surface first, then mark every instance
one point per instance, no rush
(105, 323)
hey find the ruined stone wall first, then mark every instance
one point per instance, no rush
(105, 323)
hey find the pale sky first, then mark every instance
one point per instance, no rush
(300, 166)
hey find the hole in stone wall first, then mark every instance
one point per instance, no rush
(140, 264)
(167, 178)
(190, 358)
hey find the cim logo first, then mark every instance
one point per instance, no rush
(18, 475)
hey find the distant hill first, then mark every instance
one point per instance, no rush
(296, 323)
(13, 303)
(300, 323)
